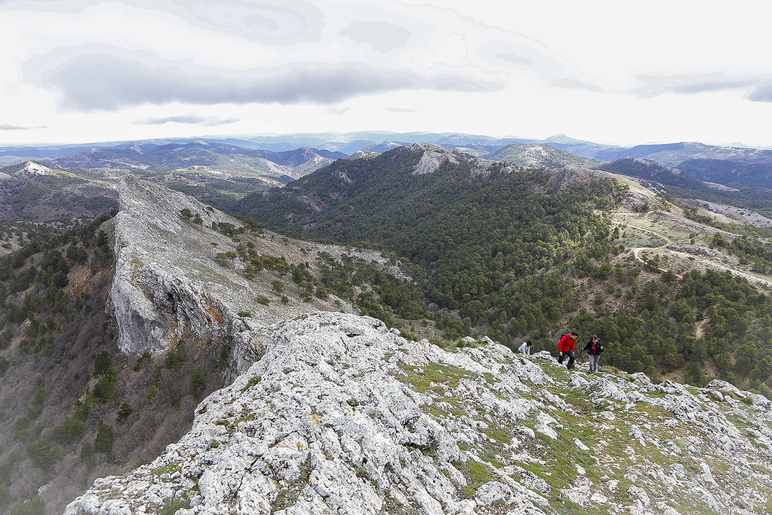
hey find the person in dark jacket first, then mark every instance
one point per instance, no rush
(594, 348)
(566, 347)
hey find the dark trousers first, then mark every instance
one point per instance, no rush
(571, 358)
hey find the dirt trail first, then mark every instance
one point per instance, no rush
(686, 256)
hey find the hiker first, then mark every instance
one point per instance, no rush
(594, 348)
(525, 348)
(566, 348)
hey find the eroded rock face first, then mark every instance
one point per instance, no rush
(172, 280)
(154, 297)
(341, 415)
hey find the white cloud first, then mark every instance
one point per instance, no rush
(78, 70)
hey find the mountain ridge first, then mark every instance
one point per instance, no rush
(342, 415)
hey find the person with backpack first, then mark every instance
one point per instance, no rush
(566, 348)
(594, 348)
(525, 348)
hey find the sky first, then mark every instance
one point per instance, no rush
(612, 72)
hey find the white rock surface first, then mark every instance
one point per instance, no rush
(341, 415)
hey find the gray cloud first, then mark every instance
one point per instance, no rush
(189, 119)
(575, 84)
(762, 93)
(382, 36)
(655, 85)
(516, 59)
(102, 80)
(6, 127)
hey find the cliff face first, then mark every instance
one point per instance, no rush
(156, 297)
(341, 415)
(178, 276)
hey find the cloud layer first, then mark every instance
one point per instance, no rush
(107, 81)
(515, 69)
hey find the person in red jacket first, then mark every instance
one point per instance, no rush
(566, 348)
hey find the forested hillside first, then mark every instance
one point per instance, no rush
(71, 407)
(525, 254)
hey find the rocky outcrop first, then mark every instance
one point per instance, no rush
(434, 156)
(155, 296)
(180, 273)
(341, 415)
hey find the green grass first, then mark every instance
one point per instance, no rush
(172, 506)
(169, 468)
(431, 376)
(476, 475)
(252, 382)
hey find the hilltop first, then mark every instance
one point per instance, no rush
(535, 156)
(342, 415)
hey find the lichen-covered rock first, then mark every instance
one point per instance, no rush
(341, 415)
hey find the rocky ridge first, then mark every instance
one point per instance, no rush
(434, 156)
(335, 413)
(179, 277)
(342, 415)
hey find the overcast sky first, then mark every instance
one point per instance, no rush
(617, 72)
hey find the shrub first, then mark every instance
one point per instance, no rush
(175, 357)
(197, 381)
(44, 455)
(104, 439)
(34, 506)
(103, 390)
(151, 391)
(70, 431)
(124, 412)
(102, 363)
(87, 455)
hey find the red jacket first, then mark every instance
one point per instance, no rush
(566, 343)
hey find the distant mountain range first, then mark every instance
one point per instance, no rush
(214, 155)
(298, 154)
(221, 172)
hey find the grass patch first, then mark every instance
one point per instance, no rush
(433, 375)
(172, 506)
(170, 468)
(252, 382)
(498, 434)
(476, 475)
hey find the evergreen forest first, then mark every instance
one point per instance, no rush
(519, 254)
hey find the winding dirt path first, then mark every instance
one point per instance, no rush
(684, 255)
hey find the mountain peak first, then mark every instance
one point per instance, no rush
(33, 168)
